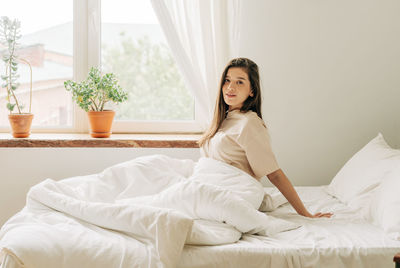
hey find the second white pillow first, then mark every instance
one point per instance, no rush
(364, 171)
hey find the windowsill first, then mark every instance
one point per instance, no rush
(115, 141)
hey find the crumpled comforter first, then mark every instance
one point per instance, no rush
(137, 214)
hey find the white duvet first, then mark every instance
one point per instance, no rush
(139, 213)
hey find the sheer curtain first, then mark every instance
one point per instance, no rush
(203, 36)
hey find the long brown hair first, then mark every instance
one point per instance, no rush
(250, 104)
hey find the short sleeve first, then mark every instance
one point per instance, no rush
(255, 141)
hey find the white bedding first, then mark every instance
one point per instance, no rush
(346, 240)
(136, 214)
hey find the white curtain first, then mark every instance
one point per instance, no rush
(203, 36)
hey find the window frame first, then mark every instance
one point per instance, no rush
(87, 53)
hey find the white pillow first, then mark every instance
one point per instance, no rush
(364, 171)
(385, 204)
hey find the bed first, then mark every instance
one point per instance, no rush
(157, 211)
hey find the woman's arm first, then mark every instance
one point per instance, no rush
(279, 179)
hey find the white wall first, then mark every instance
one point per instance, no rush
(331, 78)
(22, 168)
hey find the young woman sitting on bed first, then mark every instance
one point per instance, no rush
(238, 135)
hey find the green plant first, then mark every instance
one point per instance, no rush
(94, 92)
(9, 36)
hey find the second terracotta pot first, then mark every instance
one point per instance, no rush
(100, 123)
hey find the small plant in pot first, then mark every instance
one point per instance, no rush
(20, 121)
(92, 94)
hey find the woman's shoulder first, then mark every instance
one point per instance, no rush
(249, 119)
(253, 118)
(251, 128)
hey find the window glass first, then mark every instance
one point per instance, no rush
(134, 48)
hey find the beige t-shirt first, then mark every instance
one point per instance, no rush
(243, 142)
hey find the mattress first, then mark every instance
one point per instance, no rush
(345, 240)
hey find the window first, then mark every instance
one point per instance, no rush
(47, 44)
(118, 36)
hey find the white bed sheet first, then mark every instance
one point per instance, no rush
(346, 240)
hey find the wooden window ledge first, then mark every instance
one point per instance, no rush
(115, 141)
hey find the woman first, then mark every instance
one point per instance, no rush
(238, 135)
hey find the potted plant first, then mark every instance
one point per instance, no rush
(92, 94)
(9, 35)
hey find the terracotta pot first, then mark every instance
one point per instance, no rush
(20, 125)
(100, 123)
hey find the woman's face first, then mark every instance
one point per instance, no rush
(236, 88)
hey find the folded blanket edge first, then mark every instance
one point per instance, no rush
(5, 252)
